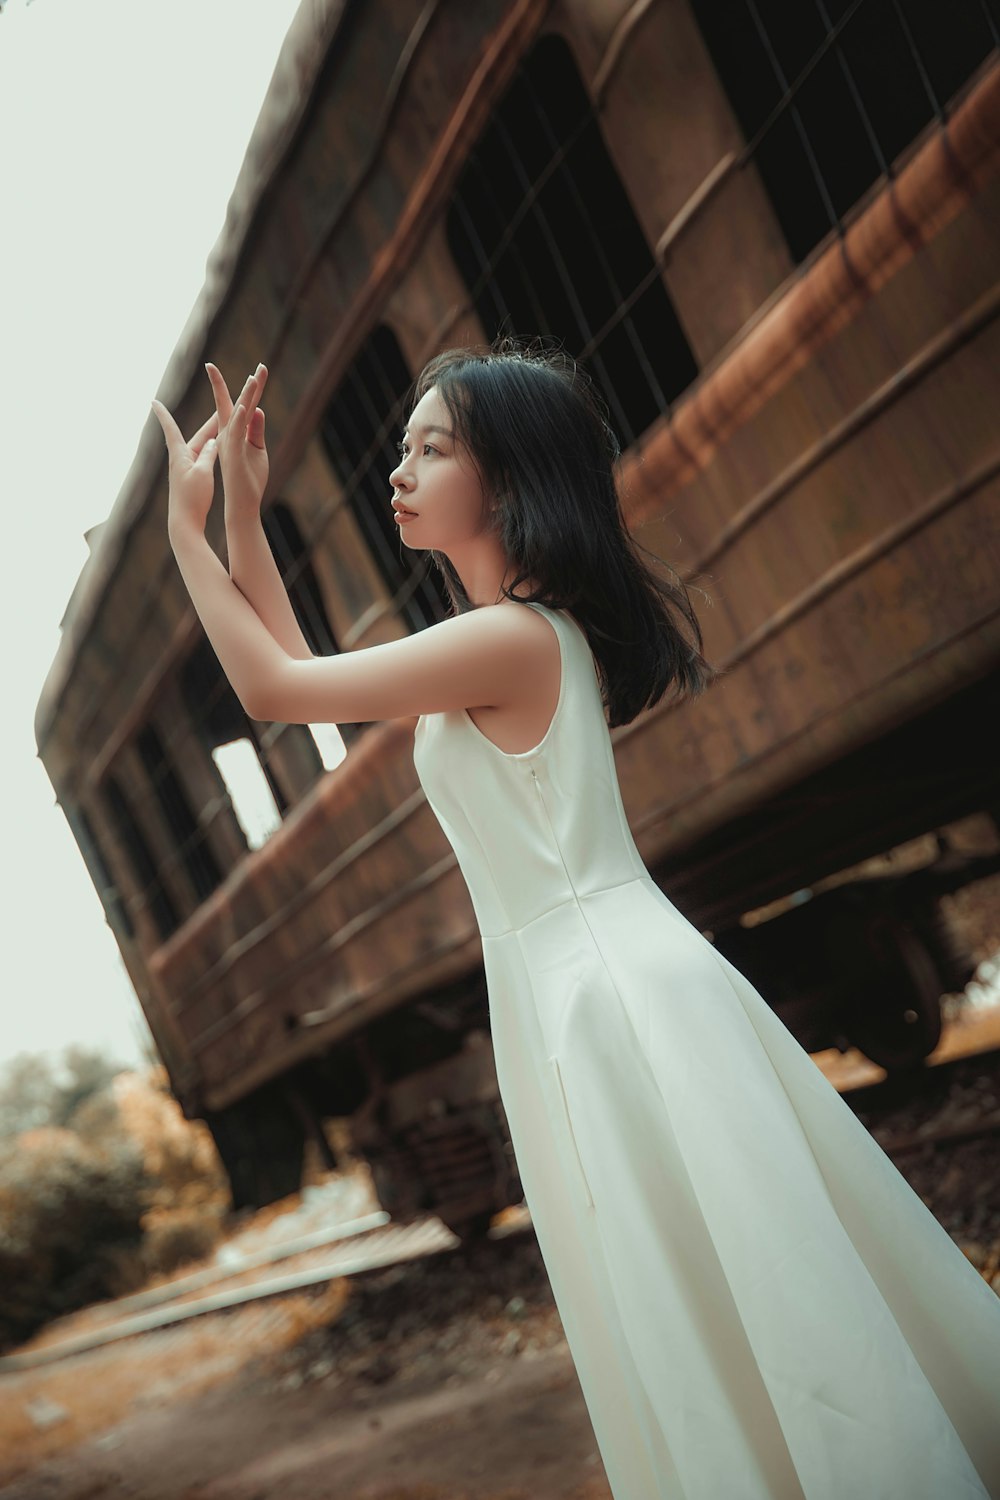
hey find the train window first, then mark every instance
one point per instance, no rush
(140, 858)
(253, 804)
(218, 718)
(291, 557)
(854, 86)
(104, 882)
(546, 240)
(192, 844)
(360, 430)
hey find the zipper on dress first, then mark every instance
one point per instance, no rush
(545, 814)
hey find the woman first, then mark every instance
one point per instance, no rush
(757, 1303)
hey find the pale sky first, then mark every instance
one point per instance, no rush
(123, 125)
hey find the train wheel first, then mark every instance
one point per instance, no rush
(896, 1018)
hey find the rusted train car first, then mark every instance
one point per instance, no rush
(771, 232)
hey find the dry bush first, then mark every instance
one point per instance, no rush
(188, 1199)
(125, 1195)
(177, 1239)
(70, 1221)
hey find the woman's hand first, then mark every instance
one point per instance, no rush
(242, 454)
(190, 469)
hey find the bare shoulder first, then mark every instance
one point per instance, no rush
(531, 637)
(517, 623)
(518, 720)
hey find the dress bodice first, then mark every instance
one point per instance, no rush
(539, 827)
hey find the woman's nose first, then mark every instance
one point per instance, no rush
(398, 478)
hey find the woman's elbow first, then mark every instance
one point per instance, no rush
(253, 711)
(274, 704)
(260, 702)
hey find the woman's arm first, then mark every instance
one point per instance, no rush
(486, 658)
(244, 466)
(255, 573)
(247, 651)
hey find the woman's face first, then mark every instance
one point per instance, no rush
(437, 481)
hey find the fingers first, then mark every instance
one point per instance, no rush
(223, 400)
(246, 420)
(171, 431)
(207, 430)
(251, 392)
(249, 396)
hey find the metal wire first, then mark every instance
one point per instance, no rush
(621, 315)
(295, 566)
(495, 264)
(919, 63)
(848, 76)
(552, 245)
(790, 93)
(364, 449)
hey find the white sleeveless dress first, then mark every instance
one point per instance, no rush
(758, 1305)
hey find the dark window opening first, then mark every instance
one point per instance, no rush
(137, 852)
(292, 559)
(360, 429)
(547, 242)
(890, 69)
(191, 840)
(104, 882)
(218, 718)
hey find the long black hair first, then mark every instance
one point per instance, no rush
(539, 435)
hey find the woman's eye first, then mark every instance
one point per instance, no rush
(404, 451)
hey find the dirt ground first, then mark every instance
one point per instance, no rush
(514, 1433)
(443, 1377)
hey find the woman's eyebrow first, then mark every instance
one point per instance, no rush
(444, 431)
